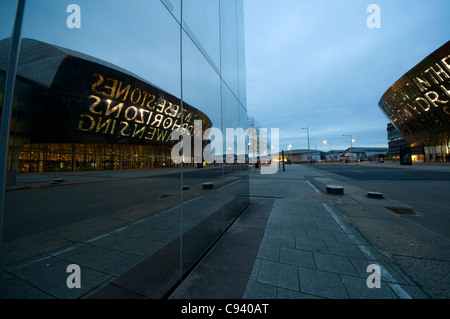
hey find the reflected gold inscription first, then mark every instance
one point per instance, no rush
(118, 108)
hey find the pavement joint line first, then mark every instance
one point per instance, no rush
(138, 222)
(64, 250)
(338, 221)
(314, 187)
(191, 200)
(119, 230)
(162, 212)
(402, 294)
(33, 261)
(399, 291)
(96, 238)
(385, 273)
(366, 251)
(134, 223)
(178, 206)
(223, 186)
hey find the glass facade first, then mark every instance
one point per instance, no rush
(92, 182)
(397, 142)
(417, 105)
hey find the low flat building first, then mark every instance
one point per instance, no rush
(332, 155)
(302, 156)
(366, 152)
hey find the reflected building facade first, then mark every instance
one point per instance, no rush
(107, 97)
(397, 142)
(77, 113)
(418, 105)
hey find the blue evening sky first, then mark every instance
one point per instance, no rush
(316, 64)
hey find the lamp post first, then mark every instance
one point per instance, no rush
(329, 149)
(351, 145)
(309, 151)
(290, 152)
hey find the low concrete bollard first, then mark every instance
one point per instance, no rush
(335, 190)
(185, 188)
(375, 195)
(208, 185)
(57, 181)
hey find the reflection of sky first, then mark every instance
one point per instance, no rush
(317, 64)
(140, 36)
(119, 32)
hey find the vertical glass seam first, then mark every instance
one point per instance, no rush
(221, 99)
(10, 81)
(182, 139)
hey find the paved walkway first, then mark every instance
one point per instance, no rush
(291, 243)
(307, 250)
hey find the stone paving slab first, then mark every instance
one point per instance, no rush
(309, 251)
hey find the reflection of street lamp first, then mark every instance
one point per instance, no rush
(351, 145)
(309, 152)
(329, 149)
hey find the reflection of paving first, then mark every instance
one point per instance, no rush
(42, 180)
(106, 256)
(41, 220)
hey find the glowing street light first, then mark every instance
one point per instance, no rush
(351, 144)
(309, 151)
(329, 149)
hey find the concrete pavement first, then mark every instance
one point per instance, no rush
(308, 250)
(293, 242)
(398, 230)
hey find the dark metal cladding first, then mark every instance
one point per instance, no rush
(68, 97)
(418, 104)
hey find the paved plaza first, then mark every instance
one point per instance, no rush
(292, 242)
(307, 250)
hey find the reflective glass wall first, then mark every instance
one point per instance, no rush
(92, 179)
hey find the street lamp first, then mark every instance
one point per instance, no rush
(309, 152)
(329, 149)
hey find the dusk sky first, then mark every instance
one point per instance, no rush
(317, 64)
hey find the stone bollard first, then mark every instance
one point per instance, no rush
(335, 190)
(208, 185)
(375, 195)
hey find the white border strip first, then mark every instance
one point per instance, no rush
(402, 294)
(314, 187)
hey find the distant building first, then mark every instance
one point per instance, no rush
(332, 155)
(366, 153)
(302, 156)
